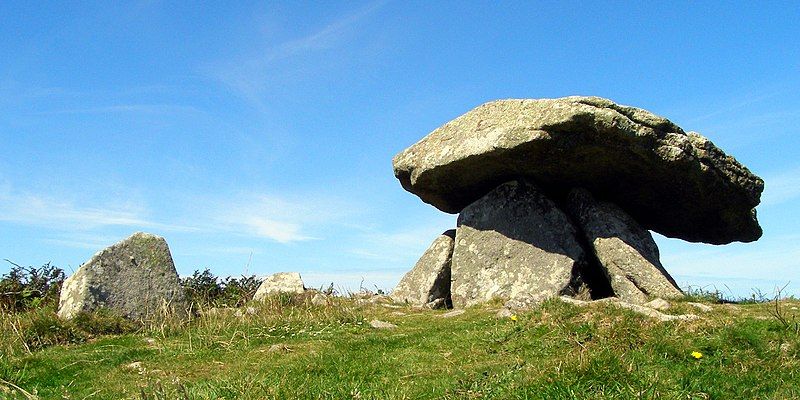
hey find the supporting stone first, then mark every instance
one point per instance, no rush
(626, 251)
(429, 281)
(515, 244)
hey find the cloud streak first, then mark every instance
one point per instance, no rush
(283, 219)
(250, 76)
(28, 209)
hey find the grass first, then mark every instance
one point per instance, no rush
(288, 348)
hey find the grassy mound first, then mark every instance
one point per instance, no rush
(289, 348)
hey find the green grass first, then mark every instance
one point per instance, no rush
(556, 351)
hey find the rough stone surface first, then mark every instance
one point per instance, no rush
(639, 309)
(675, 183)
(514, 244)
(378, 324)
(451, 314)
(319, 299)
(429, 281)
(134, 277)
(658, 304)
(700, 306)
(245, 312)
(282, 282)
(627, 252)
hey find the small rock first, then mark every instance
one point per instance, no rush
(785, 347)
(700, 306)
(246, 311)
(504, 313)
(319, 299)
(135, 366)
(436, 304)
(218, 311)
(398, 313)
(282, 282)
(150, 341)
(649, 312)
(658, 304)
(279, 348)
(378, 324)
(453, 313)
(574, 301)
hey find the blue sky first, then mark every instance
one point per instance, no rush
(258, 137)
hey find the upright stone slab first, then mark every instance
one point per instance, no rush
(514, 244)
(626, 251)
(135, 277)
(281, 282)
(429, 281)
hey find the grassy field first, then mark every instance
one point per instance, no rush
(288, 348)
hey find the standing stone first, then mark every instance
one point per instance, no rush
(429, 281)
(626, 251)
(135, 277)
(282, 282)
(514, 244)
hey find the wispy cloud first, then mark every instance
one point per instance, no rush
(325, 38)
(738, 104)
(249, 76)
(28, 209)
(284, 219)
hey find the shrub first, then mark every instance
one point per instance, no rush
(204, 289)
(30, 288)
(42, 328)
(103, 322)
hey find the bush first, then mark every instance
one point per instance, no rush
(30, 288)
(43, 328)
(103, 322)
(204, 289)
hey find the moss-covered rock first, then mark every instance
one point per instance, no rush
(135, 278)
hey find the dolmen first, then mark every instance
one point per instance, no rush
(135, 278)
(557, 197)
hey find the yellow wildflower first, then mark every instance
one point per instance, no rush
(696, 354)
(514, 317)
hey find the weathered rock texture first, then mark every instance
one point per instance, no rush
(514, 244)
(675, 183)
(429, 281)
(135, 278)
(281, 282)
(626, 251)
